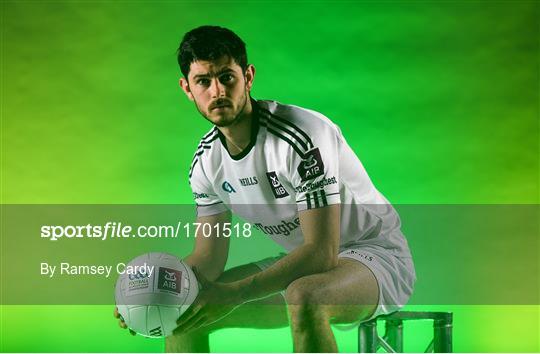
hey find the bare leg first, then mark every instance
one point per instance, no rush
(195, 342)
(269, 312)
(344, 294)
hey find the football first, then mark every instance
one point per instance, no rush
(153, 297)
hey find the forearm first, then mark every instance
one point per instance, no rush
(209, 254)
(205, 265)
(305, 260)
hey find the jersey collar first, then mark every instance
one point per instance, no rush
(254, 133)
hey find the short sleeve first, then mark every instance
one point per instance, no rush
(314, 171)
(207, 201)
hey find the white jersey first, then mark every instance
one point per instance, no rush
(297, 160)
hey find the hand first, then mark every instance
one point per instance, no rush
(215, 301)
(121, 322)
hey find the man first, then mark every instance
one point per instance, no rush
(288, 171)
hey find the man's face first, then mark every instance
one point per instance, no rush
(219, 89)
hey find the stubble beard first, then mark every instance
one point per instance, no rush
(224, 122)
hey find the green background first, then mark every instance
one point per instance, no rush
(438, 99)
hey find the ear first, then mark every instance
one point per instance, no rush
(185, 87)
(250, 75)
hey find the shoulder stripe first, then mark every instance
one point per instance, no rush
(201, 150)
(193, 162)
(208, 140)
(292, 125)
(204, 144)
(277, 125)
(210, 133)
(191, 169)
(196, 158)
(293, 145)
(207, 143)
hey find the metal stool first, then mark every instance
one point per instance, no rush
(369, 341)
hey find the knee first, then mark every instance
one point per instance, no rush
(305, 303)
(304, 293)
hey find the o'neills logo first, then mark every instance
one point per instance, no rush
(359, 254)
(277, 188)
(285, 228)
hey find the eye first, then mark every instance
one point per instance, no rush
(226, 78)
(203, 82)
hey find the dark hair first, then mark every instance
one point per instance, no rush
(210, 43)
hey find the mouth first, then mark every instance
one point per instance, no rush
(220, 104)
(220, 107)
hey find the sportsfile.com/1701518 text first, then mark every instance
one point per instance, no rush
(119, 230)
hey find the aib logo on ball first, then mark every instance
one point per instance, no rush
(169, 279)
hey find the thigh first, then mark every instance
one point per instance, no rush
(347, 293)
(395, 275)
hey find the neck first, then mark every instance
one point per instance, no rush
(238, 134)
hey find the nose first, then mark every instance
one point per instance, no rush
(217, 89)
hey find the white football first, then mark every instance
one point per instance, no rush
(153, 292)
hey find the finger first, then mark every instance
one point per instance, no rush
(183, 320)
(187, 325)
(191, 311)
(118, 315)
(132, 332)
(191, 321)
(200, 322)
(200, 277)
(122, 324)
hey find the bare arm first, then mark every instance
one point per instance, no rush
(318, 254)
(210, 253)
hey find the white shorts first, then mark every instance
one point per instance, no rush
(395, 275)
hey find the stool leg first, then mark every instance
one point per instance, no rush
(394, 334)
(442, 336)
(367, 337)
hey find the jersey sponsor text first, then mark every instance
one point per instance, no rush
(316, 185)
(285, 228)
